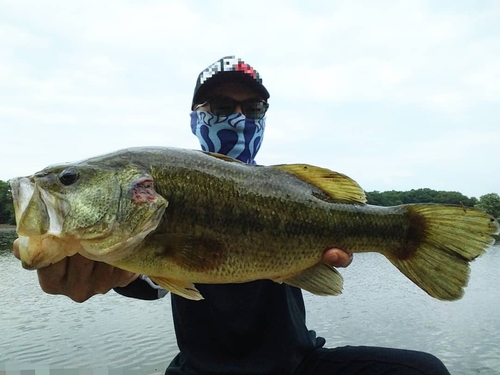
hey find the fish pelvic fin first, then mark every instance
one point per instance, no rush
(337, 186)
(319, 279)
(181, 288)
(442, 241)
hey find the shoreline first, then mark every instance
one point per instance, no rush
(7, 228)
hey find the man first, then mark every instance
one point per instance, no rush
(250, 328)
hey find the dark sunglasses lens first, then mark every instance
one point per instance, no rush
(222, 106)
(254, 109)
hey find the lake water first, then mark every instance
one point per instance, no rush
(111, 334)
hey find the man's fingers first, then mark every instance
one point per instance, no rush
(123, 278)
(105, 277)
(78, 277)
(51, 278)
(337, 258)
(15, 249)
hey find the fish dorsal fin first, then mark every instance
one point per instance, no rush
(222, 157)
(337, 186)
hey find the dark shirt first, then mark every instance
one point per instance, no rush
(250, 328)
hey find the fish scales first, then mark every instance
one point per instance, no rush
(254, 217)
(184, 217)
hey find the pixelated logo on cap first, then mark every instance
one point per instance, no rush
(229, 64)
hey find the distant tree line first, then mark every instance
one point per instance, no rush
(6, 206)
(489, 202)
(394, 198)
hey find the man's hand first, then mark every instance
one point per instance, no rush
(337, 258)
(80, 278)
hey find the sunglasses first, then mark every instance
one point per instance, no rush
(225, 106)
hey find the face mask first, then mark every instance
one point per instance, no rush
(234, 135)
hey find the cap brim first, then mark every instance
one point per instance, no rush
(225, 77)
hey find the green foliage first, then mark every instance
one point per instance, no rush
(490, 203)
(6, 205)
(394, 198)
(386, 198)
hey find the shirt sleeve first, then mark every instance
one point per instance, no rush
(142, 288)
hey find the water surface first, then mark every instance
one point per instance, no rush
(379, 307)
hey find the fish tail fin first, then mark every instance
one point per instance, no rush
(441, 242)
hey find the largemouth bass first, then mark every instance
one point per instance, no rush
(184, 217)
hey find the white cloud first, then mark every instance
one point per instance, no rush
(142, 25)
(399, 93)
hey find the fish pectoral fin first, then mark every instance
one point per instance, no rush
(190, 252)
(319, 279)
(181, 288)
(337, 186)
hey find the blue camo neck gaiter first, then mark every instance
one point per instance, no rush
(234, 135)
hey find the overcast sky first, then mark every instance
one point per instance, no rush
(398, 95)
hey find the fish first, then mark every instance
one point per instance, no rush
(184, 217)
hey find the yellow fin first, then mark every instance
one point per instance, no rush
(337, 186)
(319, 279)
(442, 242)
(181, 288)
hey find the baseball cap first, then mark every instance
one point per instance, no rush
(228, 69)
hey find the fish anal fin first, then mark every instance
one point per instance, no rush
(337, 186)
(182, 288)
(319, 279)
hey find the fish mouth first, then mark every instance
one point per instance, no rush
(23, 190)
(38, 224)
(37, 212)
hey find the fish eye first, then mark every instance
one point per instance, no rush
(68, 176)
